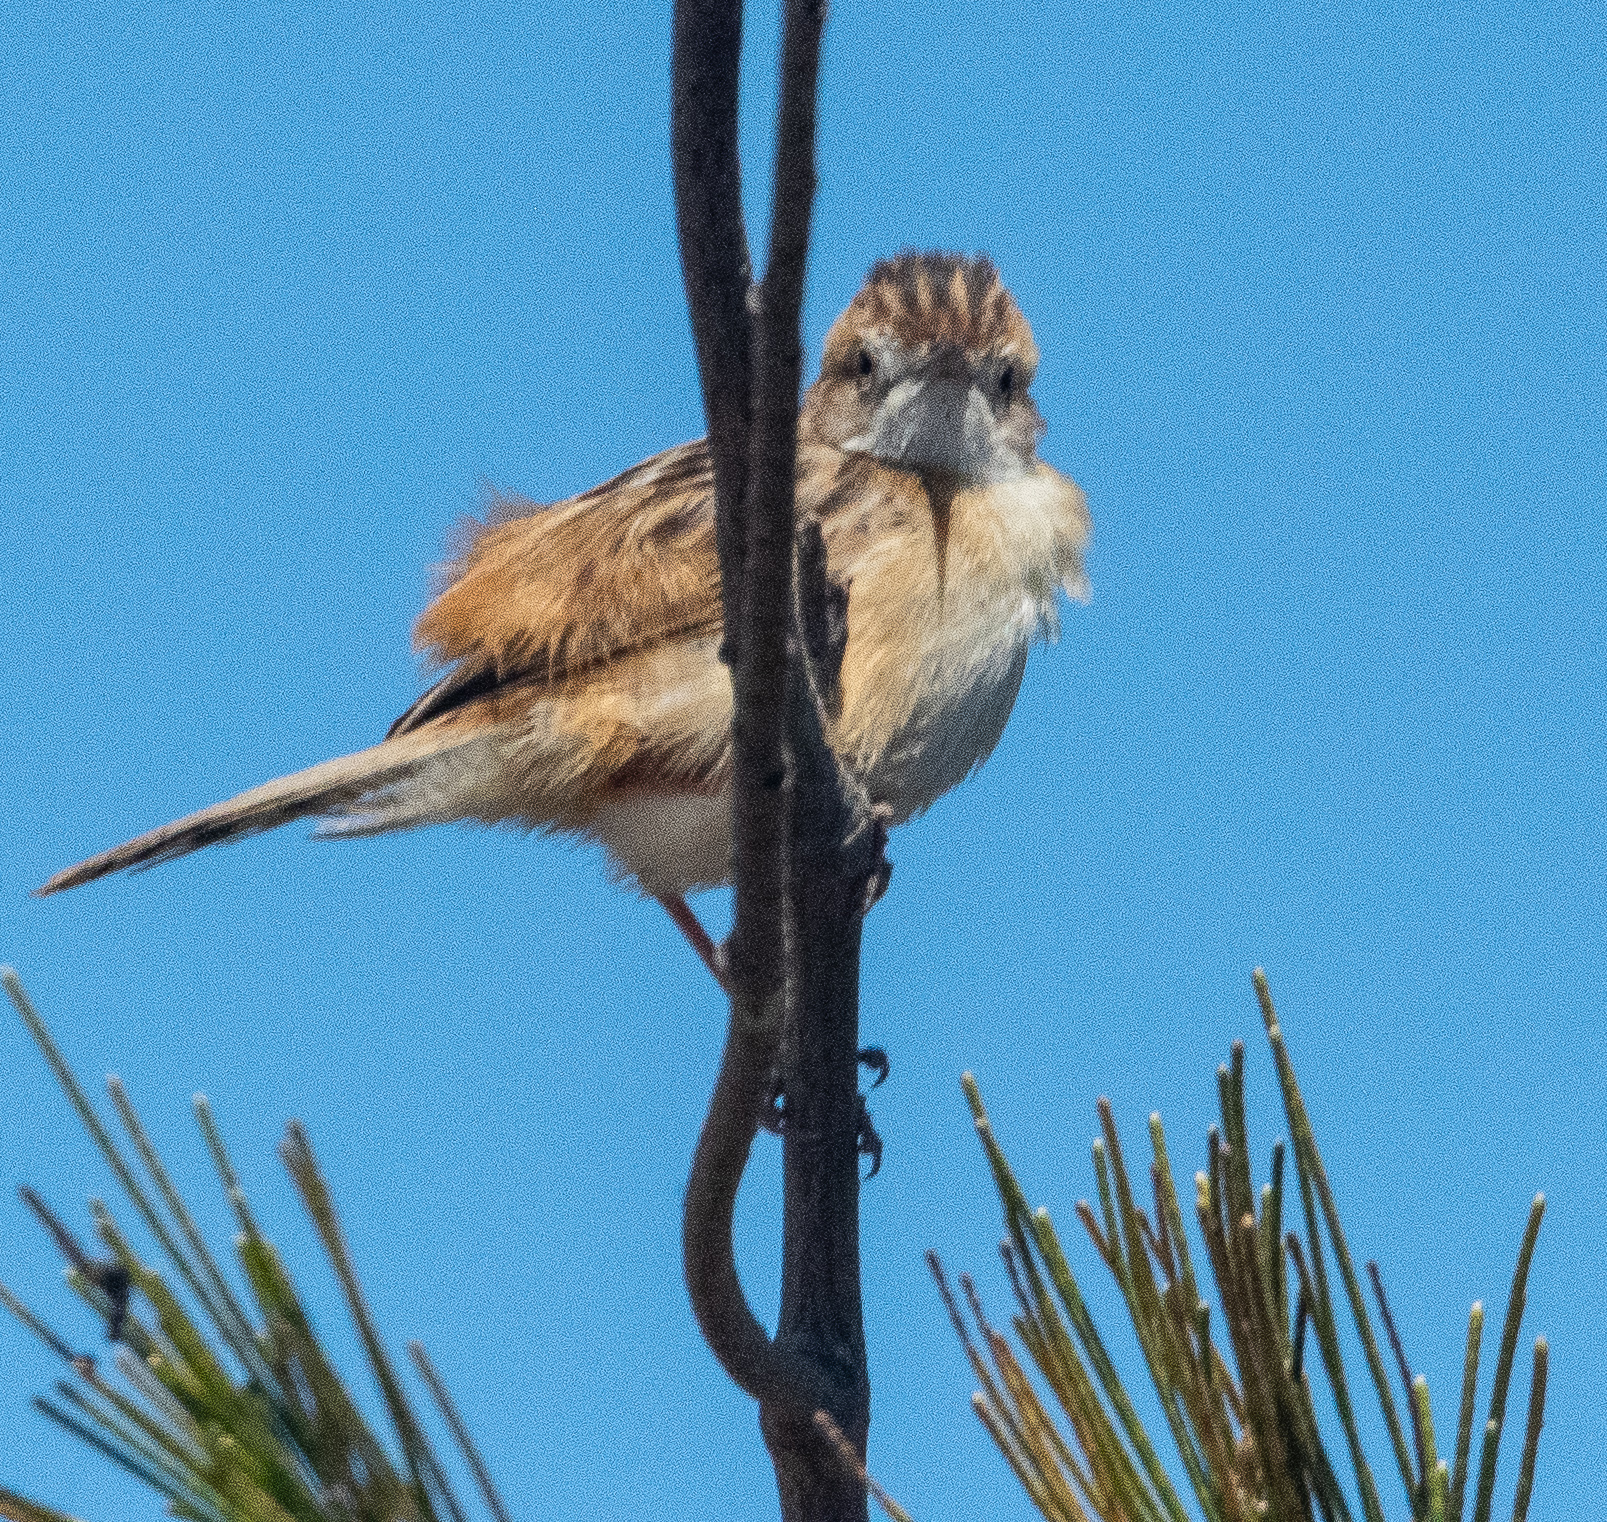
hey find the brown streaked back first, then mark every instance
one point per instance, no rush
(549, 592)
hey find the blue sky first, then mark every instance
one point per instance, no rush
(1319, 297)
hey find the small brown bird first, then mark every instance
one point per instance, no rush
(584, 691)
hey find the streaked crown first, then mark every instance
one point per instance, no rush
(918, 299)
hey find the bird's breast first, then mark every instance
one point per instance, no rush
(942, 612)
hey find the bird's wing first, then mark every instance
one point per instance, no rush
(544, 594)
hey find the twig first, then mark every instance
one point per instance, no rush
(804, 847)
(1503, 1362)
(1531, 1435)
(852, 1463)
(1405, 1368)
(309, 1180)
(51, 1339)
(15, 1508)
(1314, 1187)
(87, 1434)
(107, 1276)
(1464, 1420)
(454, 1420)
(705, 72)
(705, 69)
(1302, 1320)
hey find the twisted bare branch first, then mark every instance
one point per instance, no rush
(804, 846)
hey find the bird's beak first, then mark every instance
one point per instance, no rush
(947, 425)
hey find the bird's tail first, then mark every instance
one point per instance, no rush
(356, 791)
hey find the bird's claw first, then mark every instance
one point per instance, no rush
(773, 1109)
(881, 816)
(869, 1140)
(874, 1058)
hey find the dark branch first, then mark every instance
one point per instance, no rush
(727, 1322)
(706, 64)
(807, 850)
(835, 852)
(758, 732)
(705, 70)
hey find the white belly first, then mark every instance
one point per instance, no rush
(920, 725)
(674, 843)
(671, 843)
(964, 686)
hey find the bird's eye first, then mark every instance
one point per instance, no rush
(1007, 382)
(864, 363)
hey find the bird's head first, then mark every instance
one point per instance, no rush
(929, 369)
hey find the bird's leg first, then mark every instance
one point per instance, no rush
(699, 939)
(773, 1103)
(773, 1107)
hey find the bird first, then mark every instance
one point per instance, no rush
(582, 690)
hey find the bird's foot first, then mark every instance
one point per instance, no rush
(881, 817)
(874, 1058)
(869, 1140)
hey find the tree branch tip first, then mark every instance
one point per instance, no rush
(1263, 996)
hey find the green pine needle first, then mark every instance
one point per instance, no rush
(226, 1404)
(1243, 1416)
